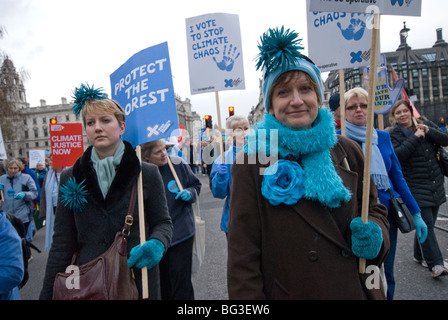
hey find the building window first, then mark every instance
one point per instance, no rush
(26, 134)
(36, 133)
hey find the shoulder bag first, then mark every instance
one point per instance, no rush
(400, 214)
(107, 277)
(442, 157)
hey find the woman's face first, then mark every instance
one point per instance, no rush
(356, 111)
(295, 102)
(104, 132)
(239, 133)
(13, 169)
(158, 155)
(403, 116)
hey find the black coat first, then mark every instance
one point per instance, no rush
(419, 163)
(93, 230)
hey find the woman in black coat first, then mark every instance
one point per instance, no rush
(107, 170)
(416, 144)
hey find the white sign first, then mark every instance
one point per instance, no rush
(338, 40)
(215, 55)
(2, 147)
(37, 156)
(386, 7)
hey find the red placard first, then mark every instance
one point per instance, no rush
(66, 143)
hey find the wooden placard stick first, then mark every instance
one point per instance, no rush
(369, 129)
(175, 175)
(342, 100)
(141, 219)
(218, 110)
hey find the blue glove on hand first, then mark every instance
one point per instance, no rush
(420, 227)
(2, 186)
(222, 169)
(19, 195)
(184, 195)
(367, 239)
(147, 255)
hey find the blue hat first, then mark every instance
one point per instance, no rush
(279, 53)
(334, 102)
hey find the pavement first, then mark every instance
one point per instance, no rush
(414, 282)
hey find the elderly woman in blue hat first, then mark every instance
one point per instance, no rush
(295, 230)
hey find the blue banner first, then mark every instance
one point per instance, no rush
(143, 86)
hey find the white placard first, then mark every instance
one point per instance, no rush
(338, 40)
(215, 56)
(384, 7)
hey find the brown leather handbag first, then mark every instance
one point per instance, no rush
(107, 277)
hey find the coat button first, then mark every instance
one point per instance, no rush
(313, 256)
(345, 253)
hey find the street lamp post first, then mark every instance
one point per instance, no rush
(404, 33)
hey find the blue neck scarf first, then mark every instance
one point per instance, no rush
(378, 169)
(312, 148)
(105, 168)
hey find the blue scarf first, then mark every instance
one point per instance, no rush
(312, 148)
(378, 169)
(105, 168)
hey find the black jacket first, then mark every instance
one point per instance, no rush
(419, 163)
(93, 230)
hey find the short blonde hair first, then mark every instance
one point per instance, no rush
(107, 106)
(356, 92)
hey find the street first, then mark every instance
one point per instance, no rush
(413, 282)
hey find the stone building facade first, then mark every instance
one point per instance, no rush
(31, 126)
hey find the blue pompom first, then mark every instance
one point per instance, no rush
(84, 93)
(73, 195)
(278, 48)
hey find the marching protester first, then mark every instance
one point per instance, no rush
(295, 230)
(334, 104)
(49, 201)
(416, 146)
(175, 266)
(11, 260)
(220, 176)
(95, 195)
(20, 191)
(386, 173)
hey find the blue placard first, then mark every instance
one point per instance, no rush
(143, 86)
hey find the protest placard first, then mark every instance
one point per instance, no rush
(67, 143)
(36, 156)
(215, 55)
(339, 40)
(3, 155)
(383, 7)
(143, 86)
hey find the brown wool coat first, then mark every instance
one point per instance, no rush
(301, 251)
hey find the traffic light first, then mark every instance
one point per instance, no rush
(53, 121)
(208, 121)
(231, 111)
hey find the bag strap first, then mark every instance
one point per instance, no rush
(129, 220)
(392, 196)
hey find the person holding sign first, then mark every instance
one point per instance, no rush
(95, 195)
(295, 231)
(386, 173)
(415, 144)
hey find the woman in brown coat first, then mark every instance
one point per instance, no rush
(294, 229)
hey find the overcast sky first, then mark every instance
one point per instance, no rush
(62, 44)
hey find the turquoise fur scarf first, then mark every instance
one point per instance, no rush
(312, 148)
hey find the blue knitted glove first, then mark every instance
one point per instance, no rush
(366, 239)
(147, 255)
(184, 195)
(420, 227)
(2, 186)
(19, 195)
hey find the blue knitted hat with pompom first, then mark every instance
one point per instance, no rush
(279, 53)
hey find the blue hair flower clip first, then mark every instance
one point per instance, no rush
(84, 93)
(74, 195)
(278, 48)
